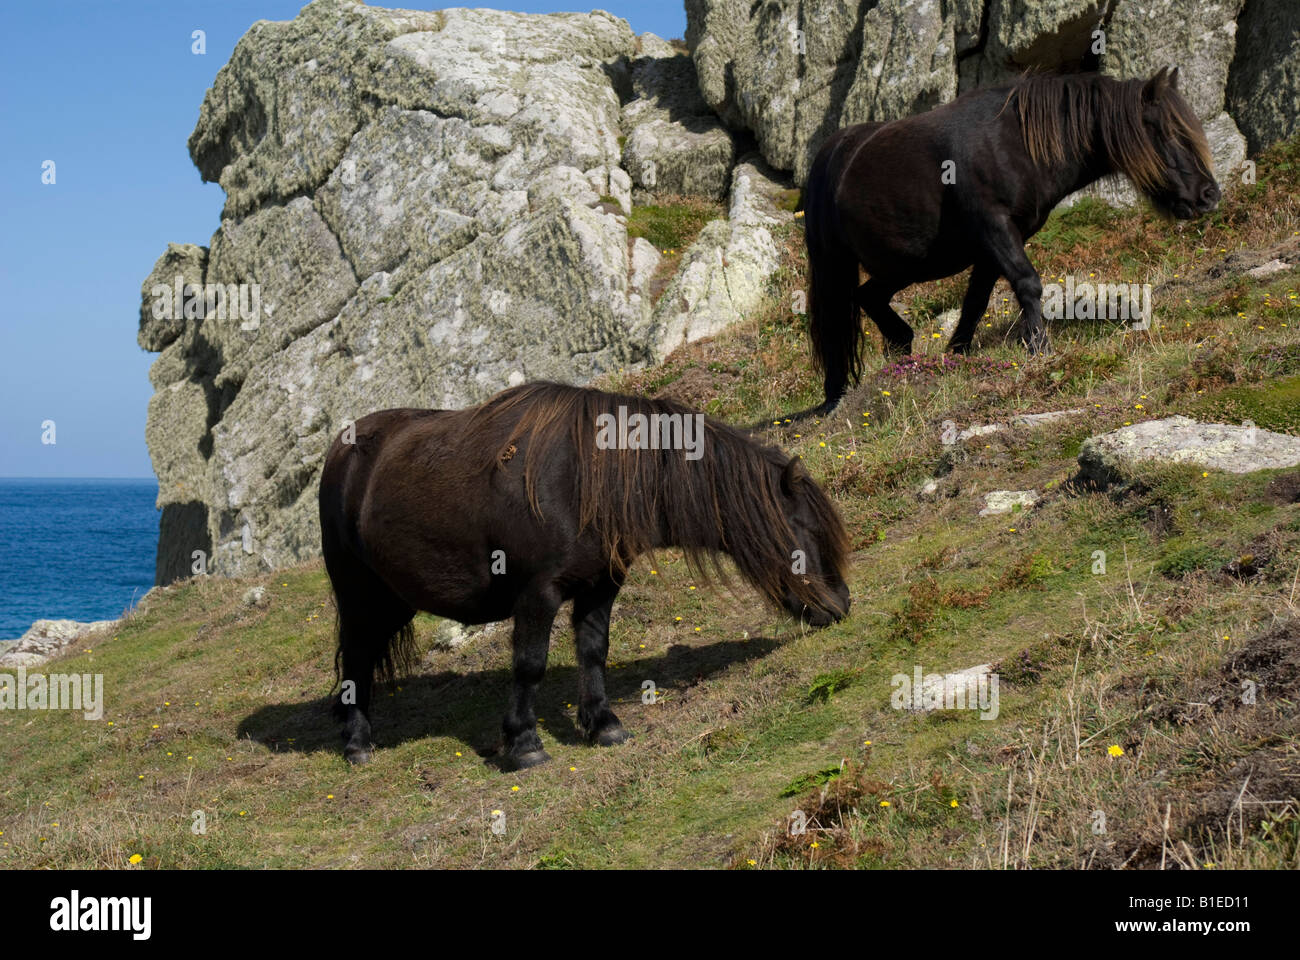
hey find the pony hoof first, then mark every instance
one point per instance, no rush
(612, 737)
(525, 760)
(1039, 346)
(357, 755)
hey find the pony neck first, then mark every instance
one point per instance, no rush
(729, 517)
(1085, 167)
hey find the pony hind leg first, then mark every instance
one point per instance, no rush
(591, 611)
(874, 296)
(374, 636)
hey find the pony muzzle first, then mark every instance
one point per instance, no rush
(835, 608)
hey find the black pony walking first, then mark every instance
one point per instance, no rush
(511, 508)
(969, 182)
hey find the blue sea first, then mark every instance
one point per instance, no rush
(74, 549)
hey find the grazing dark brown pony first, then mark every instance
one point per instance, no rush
(969, 182)
(511, 508)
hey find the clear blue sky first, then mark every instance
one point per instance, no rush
(110, 92)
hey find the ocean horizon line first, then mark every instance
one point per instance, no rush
(149, 477)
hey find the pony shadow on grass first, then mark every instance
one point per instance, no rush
(467, 706)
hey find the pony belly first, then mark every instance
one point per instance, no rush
(943, 267)
(905, 266)
(469, 614)
(449, 591)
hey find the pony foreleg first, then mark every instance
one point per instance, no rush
(534, 614)
(591, 612)
(1007, 249)
(982, 279)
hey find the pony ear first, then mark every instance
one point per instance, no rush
(791, 477)
(1165, 79)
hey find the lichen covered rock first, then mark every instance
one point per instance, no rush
(1263, 89)
(46, 639)
(1110, 457)
(674, 143)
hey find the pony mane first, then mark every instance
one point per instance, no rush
(728, 501)
(1060, 116)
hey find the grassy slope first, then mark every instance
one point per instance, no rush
(219, 707)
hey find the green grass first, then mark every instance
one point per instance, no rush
(1270, 406)
(673, 223)
(1086, 222)
(789, 199)
(826, 685)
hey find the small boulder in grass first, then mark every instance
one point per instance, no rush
(1005, 501)
(1108, 458)
(1028, 420)
(46, 639)
(1050, 416)
(1248, 566)
(254, 597)
(1268, 269)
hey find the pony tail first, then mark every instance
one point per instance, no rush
(399, 655)
(833, 323)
